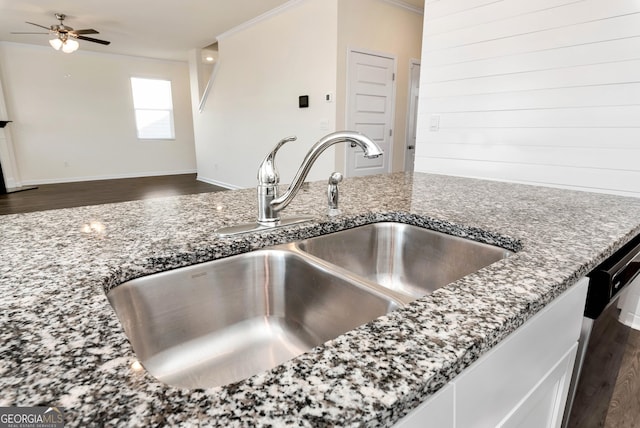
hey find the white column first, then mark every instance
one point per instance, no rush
(7, 152)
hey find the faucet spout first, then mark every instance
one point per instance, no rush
(371, 150)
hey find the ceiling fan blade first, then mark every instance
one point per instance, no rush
(38, 25)
(85, 31)
(91, 39)
(14, 32)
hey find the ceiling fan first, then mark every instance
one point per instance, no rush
(65, 35)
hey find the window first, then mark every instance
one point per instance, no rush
(154, 108)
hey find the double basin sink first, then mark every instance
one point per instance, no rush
(222, 321)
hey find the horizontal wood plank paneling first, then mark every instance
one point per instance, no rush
(542, 92)
(570, 117)
(600, 180)
(584, 75)
(518, 22)
(439, 8)
(579, 157)
(619, 94)
(489, 14)
(570, 56)
(622, 26)
(613, 138)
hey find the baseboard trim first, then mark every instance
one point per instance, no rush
(218, 183)
(104, 177)
(11, 183)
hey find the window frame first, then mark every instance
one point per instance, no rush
(170, 111)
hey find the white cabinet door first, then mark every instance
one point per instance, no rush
(522, 382)
(543, 407)
(492, 387)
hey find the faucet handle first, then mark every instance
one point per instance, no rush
(282, 143)
(267, 172)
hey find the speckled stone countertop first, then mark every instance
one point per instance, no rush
(62, 344)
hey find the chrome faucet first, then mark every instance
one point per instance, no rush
(269, 203)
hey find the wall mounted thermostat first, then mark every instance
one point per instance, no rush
(303, 101)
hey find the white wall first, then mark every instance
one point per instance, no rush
(7, 152)
(378, 26)
(263, 68)
(544, 92)
(73, 115)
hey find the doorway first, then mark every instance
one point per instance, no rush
(370, 109)
(412, 116)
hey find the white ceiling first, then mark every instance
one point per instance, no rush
(150, 28)
(165, 29)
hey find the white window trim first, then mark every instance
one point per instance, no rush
(172, 130)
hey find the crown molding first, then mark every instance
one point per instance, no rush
(404, 5)
(269, 14)
(292, 3)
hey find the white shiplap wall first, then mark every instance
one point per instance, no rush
(543, 92)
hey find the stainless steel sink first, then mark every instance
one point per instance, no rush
(408, 259)
(222, 321)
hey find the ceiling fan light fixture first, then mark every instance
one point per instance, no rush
(56, 43)
(64, 36)
(70, 45)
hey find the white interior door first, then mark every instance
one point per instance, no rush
(370, 102)
(412, 114)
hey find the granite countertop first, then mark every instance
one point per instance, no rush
(62, 344)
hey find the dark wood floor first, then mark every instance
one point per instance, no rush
(624, 407)
(69, 195)
(611, 389)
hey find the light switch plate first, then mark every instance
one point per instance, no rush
(434, 123)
